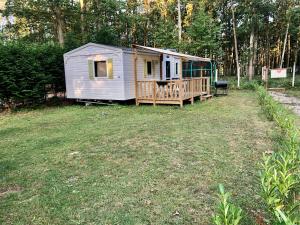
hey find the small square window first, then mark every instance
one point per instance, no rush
(100, 69)
(149, 68)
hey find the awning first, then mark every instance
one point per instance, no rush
(169, 52)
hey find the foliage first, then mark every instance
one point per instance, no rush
(272, 83)
(207, 27)
(228, 213)
(204, 35)
(280, 175)
(28, 71)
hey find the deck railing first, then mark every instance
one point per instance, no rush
(172, 91)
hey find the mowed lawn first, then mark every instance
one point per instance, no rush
(131, 165)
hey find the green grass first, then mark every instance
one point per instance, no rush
(131, 165)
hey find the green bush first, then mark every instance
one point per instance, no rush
(28, 71)
(272, 83)
(228, 214)
(280, 175)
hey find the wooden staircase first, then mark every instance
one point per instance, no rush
(205, 97)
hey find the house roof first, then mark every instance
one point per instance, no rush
(94, 45)
(116, 48)
(169, 52)
(144, 49)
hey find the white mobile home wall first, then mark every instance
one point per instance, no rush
(78, 83)
(128, 59)
(122, 87)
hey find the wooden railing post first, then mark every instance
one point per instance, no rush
(192, 87)
(201, 85)
(154, 92)
(208, 86)
(181, 92)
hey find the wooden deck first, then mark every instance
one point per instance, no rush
(172, 91)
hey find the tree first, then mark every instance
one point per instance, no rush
(236, 45)
(202, 36)
(42, 19)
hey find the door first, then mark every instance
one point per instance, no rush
(168, 70)
(176, 68)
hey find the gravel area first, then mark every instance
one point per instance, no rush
(291, 102)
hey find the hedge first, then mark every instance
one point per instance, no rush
(280, 174)
(29, 71)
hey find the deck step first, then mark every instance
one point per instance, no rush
(206, 97)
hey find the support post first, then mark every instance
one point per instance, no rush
(180, 69)
(154, 92)
(208, 86)
(192, 87)
(211, 71)
(181, 92)
(201, 86)
(161, 66)
(135, 74)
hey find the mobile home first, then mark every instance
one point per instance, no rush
(148, 75)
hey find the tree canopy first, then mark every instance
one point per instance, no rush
(267, 30)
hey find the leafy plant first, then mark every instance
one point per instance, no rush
(29, 71)
(280, 174)
(228, 214)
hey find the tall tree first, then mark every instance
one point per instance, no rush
(179, 20)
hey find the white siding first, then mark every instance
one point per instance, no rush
(129, 71)
(78, 83)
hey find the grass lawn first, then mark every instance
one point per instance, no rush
(131, 165)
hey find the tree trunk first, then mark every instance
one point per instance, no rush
(179, 20)
(294, 69)
(268, 45)
(277, 53)
(255, 54)
(82, 22)
(146, 33)
(284, 45)
(295, 63)
(238, 70)
(60, 25)
(288, 51)
(251, 68)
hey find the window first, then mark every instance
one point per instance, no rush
(100, 69)
(149, 68)
(176, 68)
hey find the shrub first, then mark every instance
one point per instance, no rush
(245, 84)
(280, 174)
(228, 214)
(28, 71)
(275, 83)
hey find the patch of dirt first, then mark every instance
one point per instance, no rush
(292, 103)
(9, 190)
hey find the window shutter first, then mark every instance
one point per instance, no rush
(110, 74)
(145, 68)
(91, 69)
(153, 68)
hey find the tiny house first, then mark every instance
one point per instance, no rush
(148, 75)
